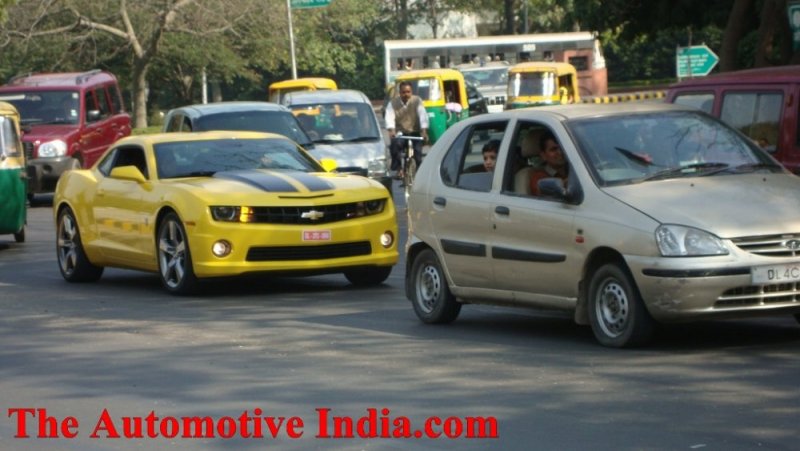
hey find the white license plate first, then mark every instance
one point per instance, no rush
(316, 235)
(765, 275)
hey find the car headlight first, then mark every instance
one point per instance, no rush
(377, 167)
(55, 148)
(232, 214)
(369, 207)
(681, 241)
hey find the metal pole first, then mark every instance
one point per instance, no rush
(205, 86)
(291, 39)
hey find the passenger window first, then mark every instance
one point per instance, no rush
(756, 114)
(130, 156)
(102, 102)
(528, 163)
(116, 101)
(91, 105)
(702, 101)
(470, 162)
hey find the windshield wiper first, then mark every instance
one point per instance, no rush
(361, 139)
(197, 174)
(635, 157)
(752, 167)
(689, 169)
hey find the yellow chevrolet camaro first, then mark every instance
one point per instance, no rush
(192, 206)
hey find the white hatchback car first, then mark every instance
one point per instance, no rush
(656, 213)
(343, 127)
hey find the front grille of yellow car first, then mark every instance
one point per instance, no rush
(317, 252)
(295, 215)
(787, 245)
(784, 293)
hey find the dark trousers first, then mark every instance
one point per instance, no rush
(397, 149)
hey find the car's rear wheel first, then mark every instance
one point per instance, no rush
(174, 259)
(616, 311)
(430, 295)
(368, 276)
(72, 260)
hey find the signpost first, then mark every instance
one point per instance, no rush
(695, 61)
(299, 4)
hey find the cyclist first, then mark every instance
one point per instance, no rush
(405, 114)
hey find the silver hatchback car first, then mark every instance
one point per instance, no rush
(626, 215)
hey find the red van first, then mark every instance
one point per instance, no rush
(69, 120)
(764, 104)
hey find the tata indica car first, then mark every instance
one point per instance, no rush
(643, 213)
(343, 127)
(193, 206)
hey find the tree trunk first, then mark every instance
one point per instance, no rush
(139, 94)
(771, 12)
(734, 31)
(508, 10)
(401, 7)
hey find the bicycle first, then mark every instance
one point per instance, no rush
(408, 164)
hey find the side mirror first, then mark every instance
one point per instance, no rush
(553, 187)
(93, 115)
(329, 164)
(131, 173)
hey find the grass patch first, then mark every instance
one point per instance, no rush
(147, 130)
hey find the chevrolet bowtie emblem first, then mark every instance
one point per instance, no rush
(312, 215)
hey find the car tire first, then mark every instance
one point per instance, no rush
(19, 236)
(72, 260)
(617, 313)
(364, 277)
(797, 317)
(430, 294)
(174, 258)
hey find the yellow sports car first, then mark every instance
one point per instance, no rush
(192, 206)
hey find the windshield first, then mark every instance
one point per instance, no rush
(487, 77)
(425, 88)
(637, 148)
(45, 107)
(206, 157)
(343, 122)
(532, 84)
(9, 141)
(280, 122)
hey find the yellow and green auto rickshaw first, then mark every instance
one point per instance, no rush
(541, 83)
(13, 181)
(279, 89)
(444, 94)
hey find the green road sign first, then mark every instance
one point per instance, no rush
(300, 4)
(695, 61)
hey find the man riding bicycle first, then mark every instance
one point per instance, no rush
(406, 115)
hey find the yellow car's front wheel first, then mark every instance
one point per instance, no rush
(174, 258)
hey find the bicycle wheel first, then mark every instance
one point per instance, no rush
(408, 176)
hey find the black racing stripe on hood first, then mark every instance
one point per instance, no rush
(312, 182)
(259, 179)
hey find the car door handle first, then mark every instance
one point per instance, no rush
(501, 210)
(440, 201)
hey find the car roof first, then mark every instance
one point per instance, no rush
(59, 80)
(585, 110)
(227, 107)
(777, 74)
(339, 96)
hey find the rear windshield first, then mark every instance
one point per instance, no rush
(280, 122)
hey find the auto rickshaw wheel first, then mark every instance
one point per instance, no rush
(19, 237)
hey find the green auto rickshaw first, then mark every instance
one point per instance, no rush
(444, 94)
(13, 181)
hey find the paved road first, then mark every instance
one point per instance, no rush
(291, 347)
